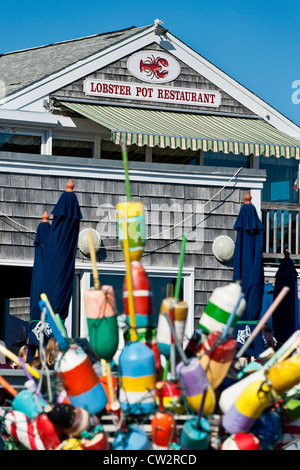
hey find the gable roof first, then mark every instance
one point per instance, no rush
(38, 63)
(49, 68)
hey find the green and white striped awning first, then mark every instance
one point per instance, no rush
(190, 131)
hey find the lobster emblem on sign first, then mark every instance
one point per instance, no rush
(154, 67)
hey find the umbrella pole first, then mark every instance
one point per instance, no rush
(181, 260)
(93, 258)
(176, 298)
(125, 165)
(263, 320)
(133, 334)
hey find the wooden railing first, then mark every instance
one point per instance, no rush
(281, 222)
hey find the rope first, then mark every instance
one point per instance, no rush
(164, 231)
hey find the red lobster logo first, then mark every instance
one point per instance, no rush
(153, 67)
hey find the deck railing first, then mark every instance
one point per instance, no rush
(281, 222)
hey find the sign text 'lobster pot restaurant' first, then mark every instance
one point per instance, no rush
(149, 66)
(151, 93)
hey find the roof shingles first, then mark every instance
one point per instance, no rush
(22, 68)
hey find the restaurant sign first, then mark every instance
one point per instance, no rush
(153, 93)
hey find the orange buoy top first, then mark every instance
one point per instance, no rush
(247, 198)
(70, 186)
(45, 217)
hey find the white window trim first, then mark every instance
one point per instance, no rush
(44, 134)
(188, 277)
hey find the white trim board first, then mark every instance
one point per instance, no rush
(155, 176)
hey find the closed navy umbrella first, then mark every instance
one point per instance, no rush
(285, 318)
(248, 268)
(40, 243)
(60, 252)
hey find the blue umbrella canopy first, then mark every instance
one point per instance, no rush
(248, 269)
(40, 243)
(285, 318)
(59, 265)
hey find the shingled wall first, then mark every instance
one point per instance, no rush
(24, 198)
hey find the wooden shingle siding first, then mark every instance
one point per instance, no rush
(24, 198)
(188, 78)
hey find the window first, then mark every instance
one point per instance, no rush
(20, 143)
(282, 179)
(225, 159)
(72, 148)
(111, 151)
(175, 156)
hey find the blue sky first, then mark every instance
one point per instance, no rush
(255, 42)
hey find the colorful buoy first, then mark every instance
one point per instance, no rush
(134, 213)
(248, 407)
(80, 380)
(164, 337)
(137, 378)
(101, 310)
(193, 379)
(219, 307)
(134, 438)
(216, 357)
(23, 429)
(241, 441)
(142, 296)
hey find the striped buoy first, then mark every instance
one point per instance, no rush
(80, 380)
(137, 378)
(248, 407)
(163, 329)
(23, 430)
(216, 357)
(50, 435)
(241, 441)
(219, 307)
(142, 297)
(193, 378)
(134, 212)
(101, 310)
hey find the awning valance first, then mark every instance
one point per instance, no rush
(190, 131)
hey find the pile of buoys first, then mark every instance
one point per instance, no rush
(161, 376)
